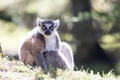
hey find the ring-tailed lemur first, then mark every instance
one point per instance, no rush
(42, 43)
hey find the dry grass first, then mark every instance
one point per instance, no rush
(15, 70)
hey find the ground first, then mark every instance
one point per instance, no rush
(16, 70)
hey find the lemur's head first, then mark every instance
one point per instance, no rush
(47, 27)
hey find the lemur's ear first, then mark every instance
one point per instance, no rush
(57, 23)
(39, 21)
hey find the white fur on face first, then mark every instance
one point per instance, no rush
(47, 26)
(40, 30)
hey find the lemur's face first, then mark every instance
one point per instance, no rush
(47, 26)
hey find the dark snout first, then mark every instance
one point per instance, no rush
(47, 32)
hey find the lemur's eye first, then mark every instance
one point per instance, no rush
(43, 27)
(51, 27)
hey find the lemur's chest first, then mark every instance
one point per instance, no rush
(50, 43)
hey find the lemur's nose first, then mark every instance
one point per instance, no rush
(47, 32)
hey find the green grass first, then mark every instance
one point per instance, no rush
(15, 70)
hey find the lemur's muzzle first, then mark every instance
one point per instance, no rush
(47, 32)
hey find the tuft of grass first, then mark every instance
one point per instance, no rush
(16, 70)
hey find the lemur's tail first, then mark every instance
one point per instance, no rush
(67, 52)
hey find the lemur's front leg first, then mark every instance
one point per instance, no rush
(39, 60)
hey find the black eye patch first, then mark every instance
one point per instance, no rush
(51, 27)
(44, 27)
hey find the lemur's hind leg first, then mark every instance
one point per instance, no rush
(27, 58)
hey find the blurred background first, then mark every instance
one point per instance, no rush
(91, 27)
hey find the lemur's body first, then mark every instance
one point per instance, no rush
(41, 41)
